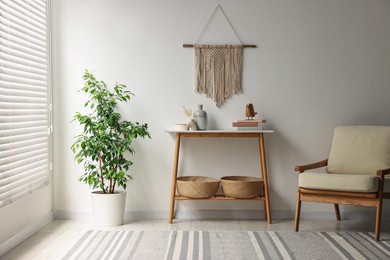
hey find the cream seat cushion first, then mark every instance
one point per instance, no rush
(341, 182)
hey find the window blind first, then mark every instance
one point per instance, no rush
(24, 98)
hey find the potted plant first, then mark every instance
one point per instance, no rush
(104, 147)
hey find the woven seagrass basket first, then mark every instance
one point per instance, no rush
(197, 186)
(242, 187)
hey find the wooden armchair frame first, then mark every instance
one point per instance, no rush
(373, 199)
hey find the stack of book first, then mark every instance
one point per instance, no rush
(249, 124)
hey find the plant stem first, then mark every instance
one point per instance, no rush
(113, 186)
(100, 170)
(116, 168)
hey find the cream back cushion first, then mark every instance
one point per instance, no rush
(359, 149)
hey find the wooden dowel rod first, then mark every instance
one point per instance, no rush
(245, 45)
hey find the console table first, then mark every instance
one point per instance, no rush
(258, 134)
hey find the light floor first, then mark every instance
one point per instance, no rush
(53, 241)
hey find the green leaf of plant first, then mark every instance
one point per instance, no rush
(105, 139)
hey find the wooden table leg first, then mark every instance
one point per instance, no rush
(263, 164)
(174, 176)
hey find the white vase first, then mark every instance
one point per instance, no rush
(108, 209)
(200, 117)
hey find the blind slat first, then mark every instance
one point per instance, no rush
(22, 172)
(23, 61)
(22, 180)
(25, 158)
(22, 138)
(39, 6)
(22, 67)
(24, 74)
(22, 79)
(33, 11)
(14, 39)
(11, 9)
(19, 191)
(21, 112)
(16, 93)
(15, 145)
(22, 103)
(15, 153)
(23, 47)
(6, 86)
(20, 125)
(9, 172)
(23, 119)
(20, 27)
(23, 131)
(22, 55)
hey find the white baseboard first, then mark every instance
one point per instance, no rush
(227, 214)
(26, 233)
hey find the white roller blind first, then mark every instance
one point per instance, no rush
(24, 98)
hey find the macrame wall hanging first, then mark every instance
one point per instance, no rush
(218, 68)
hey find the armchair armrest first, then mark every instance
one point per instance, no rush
(383, 172)
(302, 168)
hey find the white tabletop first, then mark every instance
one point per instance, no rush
(221, 131)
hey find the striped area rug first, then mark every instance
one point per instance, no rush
(226, 245)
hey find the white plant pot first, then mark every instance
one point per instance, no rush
(108, 209)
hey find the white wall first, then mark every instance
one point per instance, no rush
(24, 217)
(318, 64)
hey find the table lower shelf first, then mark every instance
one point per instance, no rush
(218, 197)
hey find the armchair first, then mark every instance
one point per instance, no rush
(357, 172)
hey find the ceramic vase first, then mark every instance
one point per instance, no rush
(192, 125)
(200, 117)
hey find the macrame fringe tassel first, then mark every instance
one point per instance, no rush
(218, 71)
